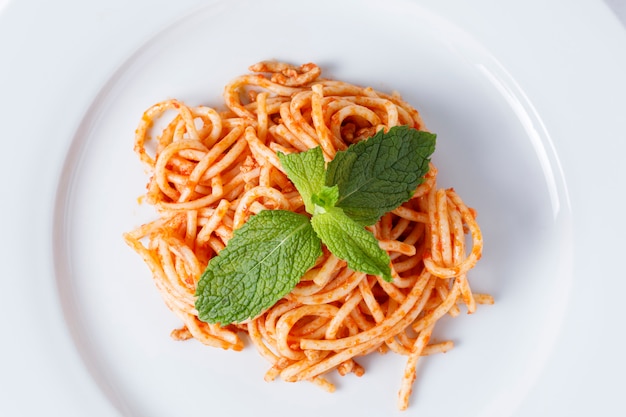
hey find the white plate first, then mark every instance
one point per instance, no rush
(526, 127)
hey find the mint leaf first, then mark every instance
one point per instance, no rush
(378, 174)
(351, 242)
(261, 263)
(307, 172)
(325, 199)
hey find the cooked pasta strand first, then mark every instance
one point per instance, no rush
(211, 170)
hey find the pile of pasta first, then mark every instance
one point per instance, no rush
(212, 169)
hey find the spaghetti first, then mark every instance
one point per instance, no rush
(210, 170)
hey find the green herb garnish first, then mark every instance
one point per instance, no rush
(262, 262)
(377, 175)
(268, 255)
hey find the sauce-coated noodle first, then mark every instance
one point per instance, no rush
(211, 170)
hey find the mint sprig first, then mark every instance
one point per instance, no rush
(267, 256)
